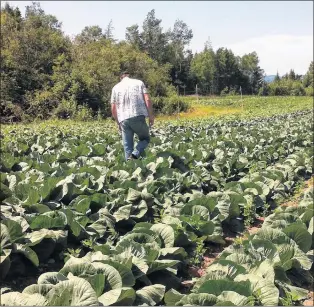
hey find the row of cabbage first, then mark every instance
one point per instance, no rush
(271, 267)
(83, 199)
(138, 267)
(214, 154)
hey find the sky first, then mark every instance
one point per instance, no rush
(281, 32)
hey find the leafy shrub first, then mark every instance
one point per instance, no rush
(264, 91)
(224, 92)
(297, 89)
(279, 90)
(66, 109)
(41, 104)
(10, 112)
(286, 88)
(83, 113)
(169, 105)
(309, 91)
(229, 91)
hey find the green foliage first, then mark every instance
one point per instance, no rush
(66, 109)
(45, 74)
(284, 87)
(224, 73)
(169, 105)
(290, 85)
(309, 91)
(308, 78)
(204, 69)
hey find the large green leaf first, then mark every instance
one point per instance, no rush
(22, 222)
(78, 267)
(311, 226)
(141, 238)
(298, 233)
(235, 298)
(51, 278)
(247, 261)
(73, 221)
(112, 275)
(126, 274)
(123, 213)
(23, 299)
(97, 281)
(265, 270)
(279, 220)
(133, 195)
(81, 203)
(275, 236)
(5, 192)
(150, 295)
(200, 299)
(147, 251)
(35, 237)
(98, 229)
(139, 211)
(5, 240)
(73, 292)
(292, 257)
(121, 297)
(158, 265)
(27, 252)
(265, 248)
(49, 220)
(227, 268)
(42, 289)
(216, 287)
(14, 230)
(166, 234)
(297, 293)
(173, 251)
(172, 297)
(263, 289)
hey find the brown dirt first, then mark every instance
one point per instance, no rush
(19, 283)
(256, 226)
(213, 251)
(310, 300)
(295, 200)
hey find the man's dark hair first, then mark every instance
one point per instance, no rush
(125, 72)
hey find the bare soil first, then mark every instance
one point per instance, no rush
(19, 283)
(294, 201)
(310, 300)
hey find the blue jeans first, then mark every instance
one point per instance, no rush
(138, 126)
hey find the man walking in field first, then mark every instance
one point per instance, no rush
(130, 105)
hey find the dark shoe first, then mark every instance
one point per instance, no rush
(134, 157)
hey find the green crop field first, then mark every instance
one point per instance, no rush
(82, 227)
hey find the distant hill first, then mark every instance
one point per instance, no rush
(270, 78)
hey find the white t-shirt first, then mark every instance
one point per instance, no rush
(129, 99)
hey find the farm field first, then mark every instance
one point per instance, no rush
(234, 107)
(81, 227)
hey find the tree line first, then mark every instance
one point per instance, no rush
(290, 84)
(45, 73)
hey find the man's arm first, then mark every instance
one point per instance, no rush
(149, 105)
(114, 112)
(114, 107)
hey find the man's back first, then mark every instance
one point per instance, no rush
(128, 95)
